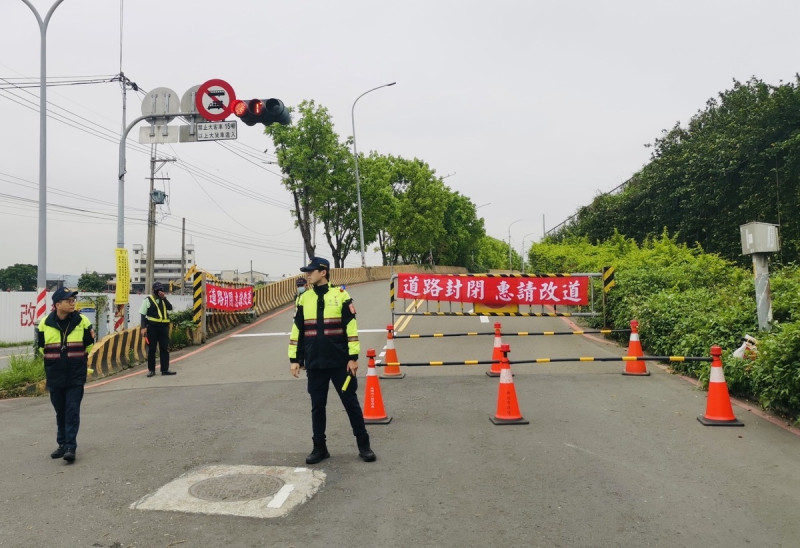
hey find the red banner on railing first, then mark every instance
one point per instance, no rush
(565, 290)
(230, 299)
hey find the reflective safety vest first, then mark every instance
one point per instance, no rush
(65, 351)
(324, 328)
(161, 311)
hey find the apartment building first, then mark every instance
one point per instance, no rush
(166, 268)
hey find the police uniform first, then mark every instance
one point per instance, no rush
(65, 345)
(325, 335)
(155, 318)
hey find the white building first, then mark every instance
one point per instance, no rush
(244, 276)
(165, 268)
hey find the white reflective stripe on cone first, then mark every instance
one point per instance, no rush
(716, 375)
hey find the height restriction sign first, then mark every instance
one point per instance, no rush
(214, 100)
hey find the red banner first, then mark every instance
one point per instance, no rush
(230, 299)
(567, 290)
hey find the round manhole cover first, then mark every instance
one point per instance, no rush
(236, 487)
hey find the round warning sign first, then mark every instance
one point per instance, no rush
(214, 100)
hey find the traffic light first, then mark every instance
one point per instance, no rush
(262, 111)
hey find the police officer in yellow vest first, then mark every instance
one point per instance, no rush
(155, 328)
(65, 338)
(326, 333)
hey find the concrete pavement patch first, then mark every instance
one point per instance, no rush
(247, 491)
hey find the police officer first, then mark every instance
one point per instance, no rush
(155, 328)
(325, 330)
(301, 287)
(65, 338)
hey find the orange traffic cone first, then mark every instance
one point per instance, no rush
(507, 406)
(391, 371)
(373, 400)
(497, 354)
(718, 407)
(635, 367)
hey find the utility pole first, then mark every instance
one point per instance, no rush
(183, 254)
(151, 216)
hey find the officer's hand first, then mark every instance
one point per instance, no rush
(352, 367)
(295, 369)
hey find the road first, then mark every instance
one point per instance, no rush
(607, 460)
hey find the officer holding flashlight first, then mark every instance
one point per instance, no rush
(325, 335)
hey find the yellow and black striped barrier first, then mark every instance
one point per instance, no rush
(539, 333)
(437, 335)
(511, 334)
(608, 278)
(557, 360)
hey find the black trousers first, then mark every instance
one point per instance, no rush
(158, 335)
(318, 381)
(67, 403)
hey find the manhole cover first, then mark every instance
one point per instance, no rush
(236, 490)
(236, 487)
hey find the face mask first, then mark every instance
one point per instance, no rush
(301, 289)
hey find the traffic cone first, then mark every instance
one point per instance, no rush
(497, 354)
(718, 407)
(391, 371)
(374, 412)
(507, 406)
(635, 367)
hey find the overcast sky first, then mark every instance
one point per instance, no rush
(529, 108)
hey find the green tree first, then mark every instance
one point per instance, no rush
(318, 172)
(379, 201)
(20, 277)
(463, 230)
(92, 282)
(490, 253)
(736, 161)
(418, 228)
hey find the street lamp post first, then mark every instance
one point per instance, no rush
(41, 274)
(509, 242)
(358, 181)
(523, 250)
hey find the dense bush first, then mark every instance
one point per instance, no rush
(181, 321)
(687, 301)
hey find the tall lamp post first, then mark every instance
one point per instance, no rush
(509, 242)
(41, 274)
(523, 249)
(358, 181)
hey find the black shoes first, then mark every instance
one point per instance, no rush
(169, 372)
(319, 453)
(151, 373)
(63, 452)
(364, 450)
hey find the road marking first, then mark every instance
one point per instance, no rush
(280, 497)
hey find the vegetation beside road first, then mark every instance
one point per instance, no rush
(686, 301)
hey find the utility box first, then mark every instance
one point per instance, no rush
(759, 238)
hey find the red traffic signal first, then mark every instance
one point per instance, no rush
(262, 111)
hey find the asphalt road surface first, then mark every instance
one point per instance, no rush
(607, 460)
